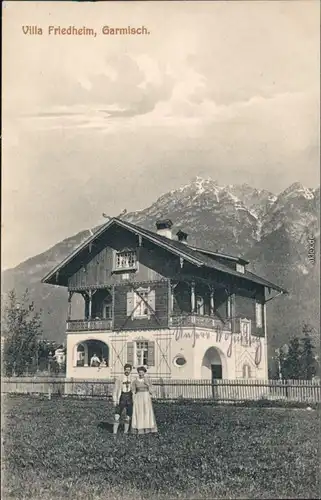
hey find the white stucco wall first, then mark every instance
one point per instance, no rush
(187, 342)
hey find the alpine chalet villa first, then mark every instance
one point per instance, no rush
(150, 298)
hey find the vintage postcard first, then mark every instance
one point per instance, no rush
(160, 250)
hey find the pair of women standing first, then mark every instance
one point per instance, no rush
(133, 395)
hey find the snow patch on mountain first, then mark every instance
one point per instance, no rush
(297, 189)
(239, 213)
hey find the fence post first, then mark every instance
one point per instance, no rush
(214, 389)
(162, 388)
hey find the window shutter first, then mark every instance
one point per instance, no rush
(130, 353)
(130, 302)
(151, 301)
(151, 354)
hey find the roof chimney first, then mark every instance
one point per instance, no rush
(164, 228)
(182, 237)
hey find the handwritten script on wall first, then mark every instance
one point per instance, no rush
(245, 341)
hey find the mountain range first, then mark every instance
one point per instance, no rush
(271, 231)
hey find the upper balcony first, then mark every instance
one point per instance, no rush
(190, 320)
(151, 307)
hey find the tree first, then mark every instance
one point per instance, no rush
(45, 347)
(281, 356)
(21, 329)
(292, 362)
(308, 361)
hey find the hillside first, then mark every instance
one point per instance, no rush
(271, 231)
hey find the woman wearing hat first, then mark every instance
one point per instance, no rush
(143, 419)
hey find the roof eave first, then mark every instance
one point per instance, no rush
(220, 255)
(75, 252)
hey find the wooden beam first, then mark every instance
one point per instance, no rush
(113, 306)
(233, 324)
(212, 305)
(90, 304)
(193, 297)
(70, 294)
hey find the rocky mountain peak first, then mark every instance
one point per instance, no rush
(297, 190)
(271, 231)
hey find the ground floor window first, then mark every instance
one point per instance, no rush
(92, 353)
(141, 352)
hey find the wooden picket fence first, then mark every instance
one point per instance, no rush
(173, 390)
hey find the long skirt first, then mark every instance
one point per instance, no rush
(143, 420)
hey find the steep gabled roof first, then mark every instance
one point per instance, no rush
(175, 247)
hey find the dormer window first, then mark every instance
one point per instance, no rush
(240, 268)
(125, 260)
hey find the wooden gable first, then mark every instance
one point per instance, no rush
(153, 263)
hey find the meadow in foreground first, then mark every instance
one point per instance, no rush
(63, 449)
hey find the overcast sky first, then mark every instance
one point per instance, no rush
(228, 90)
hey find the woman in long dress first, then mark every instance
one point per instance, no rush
(143, 419)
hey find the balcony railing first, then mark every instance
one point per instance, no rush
(201, 321)
(188, 320)
(81, 325)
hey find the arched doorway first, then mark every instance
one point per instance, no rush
(212, 366)
(92, 352)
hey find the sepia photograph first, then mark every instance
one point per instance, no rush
(160, 326)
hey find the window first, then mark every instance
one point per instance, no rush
(179, 361)
(141, 303)
(141, 357)
(259, 314)
(200, 306)
(107, 311)
(125, 260)
(246, 371)
(141, 352)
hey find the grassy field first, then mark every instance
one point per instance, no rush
(63, 449)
